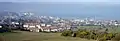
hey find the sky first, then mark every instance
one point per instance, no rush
(101, 10)
(111, 1)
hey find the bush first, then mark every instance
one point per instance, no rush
(82, 34)
(102, 39)
(110, 36)
(67, 33)
(91, 35)
(116, 38)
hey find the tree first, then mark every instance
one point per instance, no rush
(106, 29)
(102, 39)
(100, 36)
(67, 33)
(82, 33)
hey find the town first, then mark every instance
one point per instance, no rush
(27, 21)
(28, 24)
(59, 20)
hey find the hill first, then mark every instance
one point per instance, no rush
(31, 36)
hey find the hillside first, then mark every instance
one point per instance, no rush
(31, 36)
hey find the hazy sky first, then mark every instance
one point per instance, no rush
(111, 1)
(101, 10)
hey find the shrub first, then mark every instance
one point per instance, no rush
(67, 33)
(83, 34)
(102, 39)
(94, 37)
(110, 36)
(116, 38)
(103, 36)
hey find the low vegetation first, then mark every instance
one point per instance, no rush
(70, 35)
(116, 38)
(101, 36)
(5, 29)
(32, 36)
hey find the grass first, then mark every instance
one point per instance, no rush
(32, 36)
(117, 30)
(113, 30)
(88, 27)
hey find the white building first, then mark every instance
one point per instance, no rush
(34, 27)
(54, 30)
(48, 25)
(43, 24)
(0, 26)
(15, 23)
(46, 29)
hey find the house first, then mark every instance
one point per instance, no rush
(54, 28)
(37, 27)
(49, 29)
(31, 26)
(42, 24)
(34, 30)
(46, 29)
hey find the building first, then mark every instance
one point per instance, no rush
(49, 29)
(32, 27)
(0, 26)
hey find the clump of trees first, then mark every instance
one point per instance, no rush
(5, 29)
(100, 36)
(67, 33)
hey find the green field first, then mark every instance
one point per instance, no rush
(32, 36)
(114, 29)
(88, 26)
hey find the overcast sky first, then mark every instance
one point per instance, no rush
(111, 1)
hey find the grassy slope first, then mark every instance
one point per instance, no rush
(31, 36)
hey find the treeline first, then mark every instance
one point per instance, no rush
(5, 29)
(100, 36)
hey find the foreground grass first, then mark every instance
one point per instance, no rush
(31, 36)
